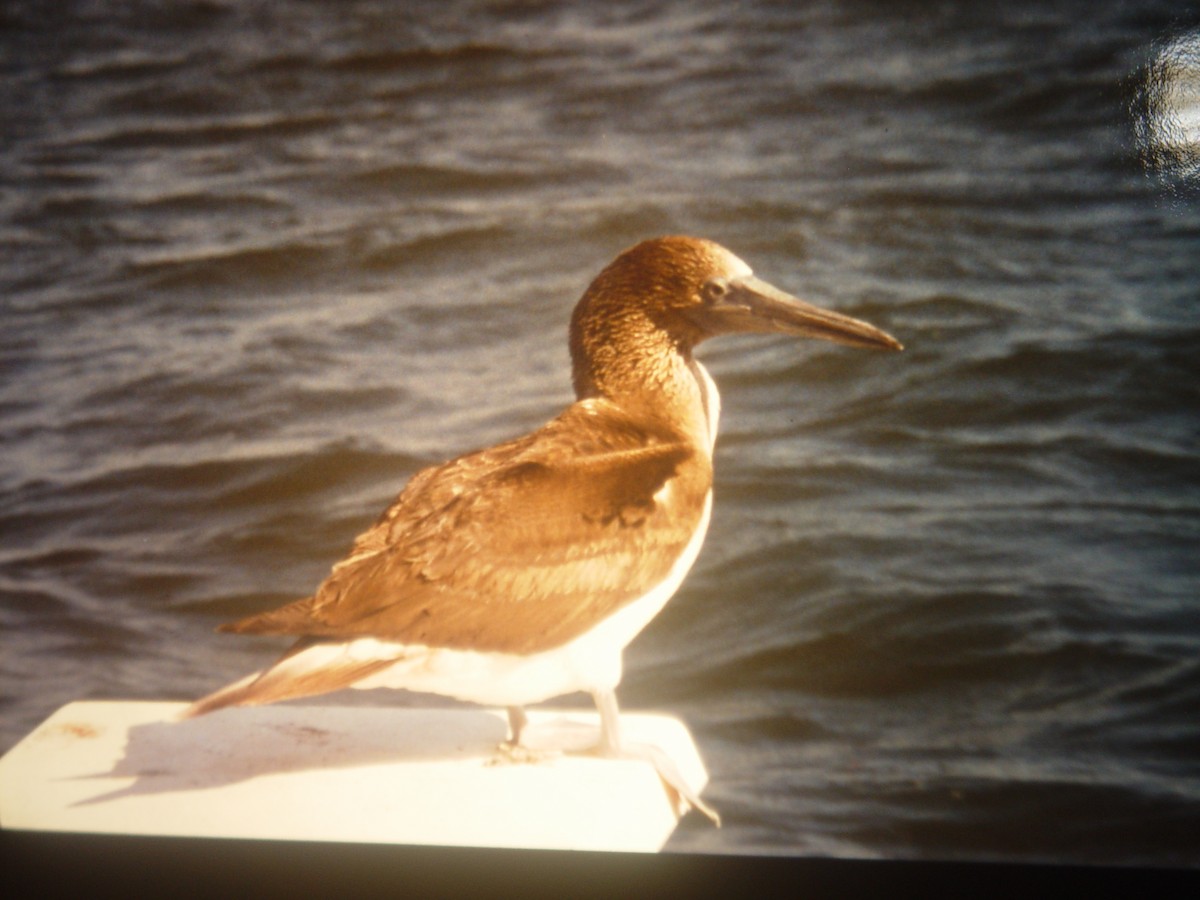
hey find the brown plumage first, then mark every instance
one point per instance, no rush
(516, 548)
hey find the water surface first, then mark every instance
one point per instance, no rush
(262, 261)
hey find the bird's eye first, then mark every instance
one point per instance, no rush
(715, 290)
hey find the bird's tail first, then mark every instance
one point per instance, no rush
(240, 693)
(311, 667)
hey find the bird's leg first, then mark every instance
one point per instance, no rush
(510, 751)
(517, 720)
(681, 795)
(610, 723)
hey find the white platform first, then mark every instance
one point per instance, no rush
(378, 775)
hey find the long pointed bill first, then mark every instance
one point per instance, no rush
(753, 305)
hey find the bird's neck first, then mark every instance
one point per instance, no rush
(651, 377)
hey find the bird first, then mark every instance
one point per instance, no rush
(517, 573)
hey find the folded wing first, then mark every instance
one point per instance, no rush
(593, 509)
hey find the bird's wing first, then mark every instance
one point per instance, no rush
(592, 509)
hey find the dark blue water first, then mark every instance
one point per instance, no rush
(262, 261)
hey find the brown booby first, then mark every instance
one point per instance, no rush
(520, 572)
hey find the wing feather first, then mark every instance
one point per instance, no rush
(591, 510)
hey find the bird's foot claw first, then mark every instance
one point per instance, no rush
(681, 795)
(511, 754)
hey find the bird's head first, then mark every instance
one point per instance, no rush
(689, 289)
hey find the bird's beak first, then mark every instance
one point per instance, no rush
(750, 304)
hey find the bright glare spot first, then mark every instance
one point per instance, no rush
(1167, 110)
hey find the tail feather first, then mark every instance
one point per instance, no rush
(240, 693)
(311, 667)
